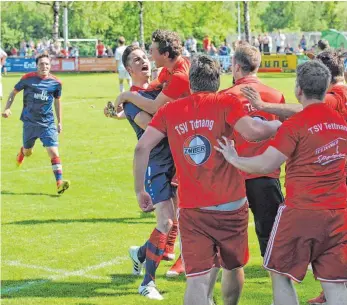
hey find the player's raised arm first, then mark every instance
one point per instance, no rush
(281, 110)
(7, 111)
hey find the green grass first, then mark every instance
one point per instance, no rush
(73, 249)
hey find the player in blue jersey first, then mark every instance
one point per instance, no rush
(41, 91)
(159, 174)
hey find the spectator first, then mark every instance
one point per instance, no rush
(213, 50)
(109, 51)
(100, 49)
(135, 43)
(260, 39)
(14, 52)
(55, 49)
(267, 40)
(323, 45)
(303, 43)
(3, 56)
(288, 49)
(280, 39)
(190, 45)
(206, 44)
(299, 50)
(255, 42)
(223, 50)
(23, 49)
(74, 52)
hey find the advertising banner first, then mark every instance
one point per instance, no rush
(14, 64)
(96, 64)
(285, 62)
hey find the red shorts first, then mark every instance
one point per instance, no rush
(205, 233)
(300, 237)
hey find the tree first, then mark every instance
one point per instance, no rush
(246, 20)
(279, 15)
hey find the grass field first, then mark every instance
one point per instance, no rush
(73, 249)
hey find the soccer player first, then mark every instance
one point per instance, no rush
(166, 51)
(41, 91)
(311, 227)
(159, 174)
(3, 57)
(122, 72)
(263, 191)
(213, 214)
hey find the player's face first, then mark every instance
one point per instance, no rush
(156, 56)
(44, 66)
(139, 64)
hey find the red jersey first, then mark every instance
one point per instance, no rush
(315, 142)
(336, 98)
(193, 124)
(100, 49)
(269, 95)
(176, 81)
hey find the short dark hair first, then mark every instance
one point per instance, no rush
(248, 57)
(121, 40)
(313, 78)
(168, 42)
(323, 44)
(204, 74)
(334, 62)
(128, 50)
(42, 56)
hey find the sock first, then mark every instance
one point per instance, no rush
(57, 169)
(171, 238)
(121, 88)
(141, 255)
(20, 155)
(154, 252)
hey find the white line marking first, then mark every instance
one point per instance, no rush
(61, 273)
(65, 165)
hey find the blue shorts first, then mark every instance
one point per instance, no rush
(158, 183)
(47, 135)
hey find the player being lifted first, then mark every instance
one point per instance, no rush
(158, 176)
(41, 91)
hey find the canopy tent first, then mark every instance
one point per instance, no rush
(335, 39)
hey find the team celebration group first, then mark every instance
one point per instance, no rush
(205, 157)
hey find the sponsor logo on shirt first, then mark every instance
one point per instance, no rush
(197, 150)
(329, 152)
(41, 96)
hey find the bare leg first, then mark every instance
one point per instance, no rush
(335, 293)
(213, 280)
(232, 283)
(283, 290)
(197, 290)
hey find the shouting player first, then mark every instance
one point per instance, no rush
(312, 225)
(41, 91)
(213, 215)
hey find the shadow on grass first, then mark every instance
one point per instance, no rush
(120, 285)
(28, 194)
(86, 220)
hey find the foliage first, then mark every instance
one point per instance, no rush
(108, 20)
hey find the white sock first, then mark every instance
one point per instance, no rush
(121, 88)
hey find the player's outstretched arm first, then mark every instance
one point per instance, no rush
(147, 142)
(148, 105)
(254, 130)
(7, 111)
(58, 113)
(281, 110)
(265, 163)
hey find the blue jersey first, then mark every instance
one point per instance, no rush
(161, 154)
(38, 98)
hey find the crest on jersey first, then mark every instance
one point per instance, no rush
(197, 150)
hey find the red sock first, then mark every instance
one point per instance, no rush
(171, 238)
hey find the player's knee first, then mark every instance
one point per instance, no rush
(165, 225)
(27, 152)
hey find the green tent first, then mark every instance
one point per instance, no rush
(335, 39)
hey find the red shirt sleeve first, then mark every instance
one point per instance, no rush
(176, 86)
(331, 100)
(159, 120)
(286, 138)
(233, 109)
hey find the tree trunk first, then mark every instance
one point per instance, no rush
(247, 20)
(142, 35)
(55, 31)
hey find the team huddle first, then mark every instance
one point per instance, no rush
(205, 157)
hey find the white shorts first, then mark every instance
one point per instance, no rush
(123, 74)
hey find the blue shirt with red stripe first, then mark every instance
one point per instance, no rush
(38, 98)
